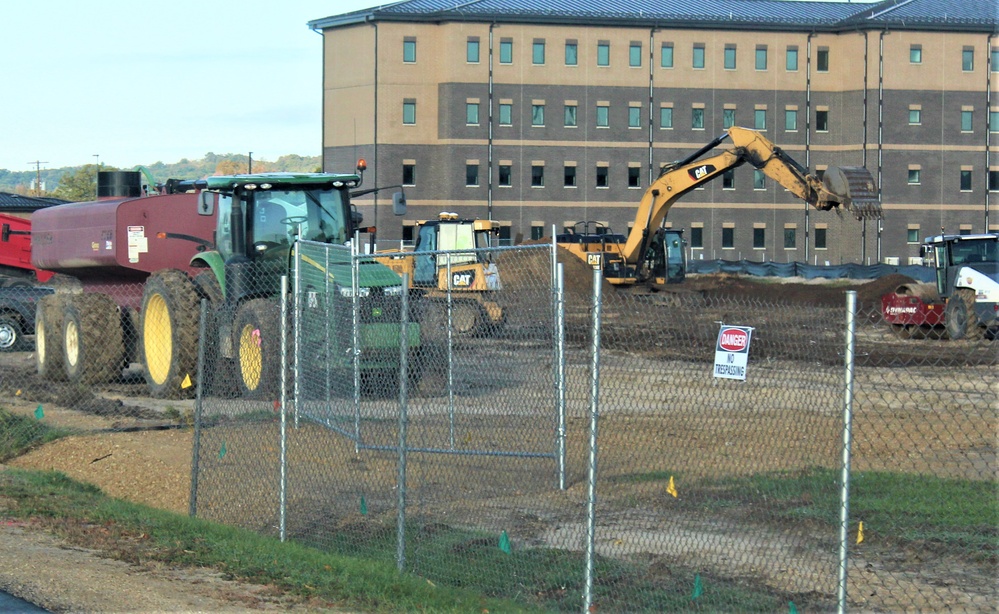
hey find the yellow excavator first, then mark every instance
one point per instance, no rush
(471, 276)
(650, 254)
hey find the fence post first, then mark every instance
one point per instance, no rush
(560, 388)
(283, 495)
(192, 506)
(355, 309)
(297, 340)
(450, 355)
(844, 509)
(591, 487)
(400, 554)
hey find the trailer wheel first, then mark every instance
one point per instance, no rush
(48, 336)
(959, 314)
(92, 339)
(257, 342)
(169, 328)
(11, 333)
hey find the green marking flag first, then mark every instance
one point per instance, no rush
(364, 506)
(504, 543)
(39, 413)
(791, 608)
(222, 450)
(698, 587)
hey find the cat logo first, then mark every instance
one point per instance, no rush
(701, 171)
(464, 279)
(593, 260)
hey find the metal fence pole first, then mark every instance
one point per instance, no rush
(356, 337)
(284, 405)
(450, 355)
(192, 506)
(591, 487)
(400, 554)
(560, 388)
(296, 327)
(844, 509)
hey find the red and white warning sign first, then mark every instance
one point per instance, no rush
(732, 352)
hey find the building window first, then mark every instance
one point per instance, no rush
(915, 54)
(408, 174)
(505, 114)
(994, 57)
(634, 117)
(790, 120)
(603, 116)
(506, 52)
(761, 58)
(602, 176)
(603, 54)
(965, 181)
(635, 54)
(993, 181)
(666, 117)
(634, 177)
(729, 57)
(914, 176)
(697, 237)
(504, 235)
(538, 53)
(571, 54)
(505, 175)
(822, 121)
(537, 176)
(760, 119)
(697, 119)
(912, 235)
(537, 115)
(472, 51)
(968, 59)
(822, 59)
(790, 237)
(728, 118)
(570, 116)
(967, 120)
(759, 179)
(728, 237)
(964, 230)
(993, 121)
(471, 175)
(915, 117)
(759, 238)
(570, 176)
(666, 55)
(820, 238)
(472, 113)
(728, 179)
(537, 231)
(791, 59)
(698, 59)
(409, 50)
(409, 112)
(407, 233)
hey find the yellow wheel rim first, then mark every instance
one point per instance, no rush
(250, 356)
(72, 342)
(157, 336)
(40, 341)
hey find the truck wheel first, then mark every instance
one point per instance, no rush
(92, 339)
(11, 333)
(48, 336)
(169, 326)
(465, 318)
(959, 314)
(258, 348)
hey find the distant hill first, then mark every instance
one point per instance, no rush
(11, 181)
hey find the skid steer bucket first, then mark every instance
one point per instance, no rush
(855, 189)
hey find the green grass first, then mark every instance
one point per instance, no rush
(19, 434)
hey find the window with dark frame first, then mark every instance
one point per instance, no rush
(602, 176)
(505, 175)
(570, 176)
(537, 176)
(759, 238)
(634, 177)
(408, 174)
(471, 175)
(728, 237)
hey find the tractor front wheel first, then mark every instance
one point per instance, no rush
(257, 341)
(959, 314)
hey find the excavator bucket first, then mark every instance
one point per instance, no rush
(854, 187)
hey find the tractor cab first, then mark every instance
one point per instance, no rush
(949, 255)
(451, 234)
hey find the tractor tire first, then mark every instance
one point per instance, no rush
(92, 343)
(169, 333)
(959, 314)
(48, 336)
(466, 319)
(257, 341)
(11, 333)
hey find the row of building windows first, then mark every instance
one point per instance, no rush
(602, 176)
(698, 60)
(967, 118)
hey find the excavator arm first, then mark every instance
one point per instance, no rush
(850, 187)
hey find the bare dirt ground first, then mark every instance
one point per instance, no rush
(136, 457)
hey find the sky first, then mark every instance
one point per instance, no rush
(127, 83)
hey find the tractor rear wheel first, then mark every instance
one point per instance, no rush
(92, 342)
(169, 329)
(48, 336)
(257, 341)
(959, 314)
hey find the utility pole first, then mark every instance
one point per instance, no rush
(97, 176)
(38, 176)
(249, 164)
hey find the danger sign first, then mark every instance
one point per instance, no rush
(732, 352)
